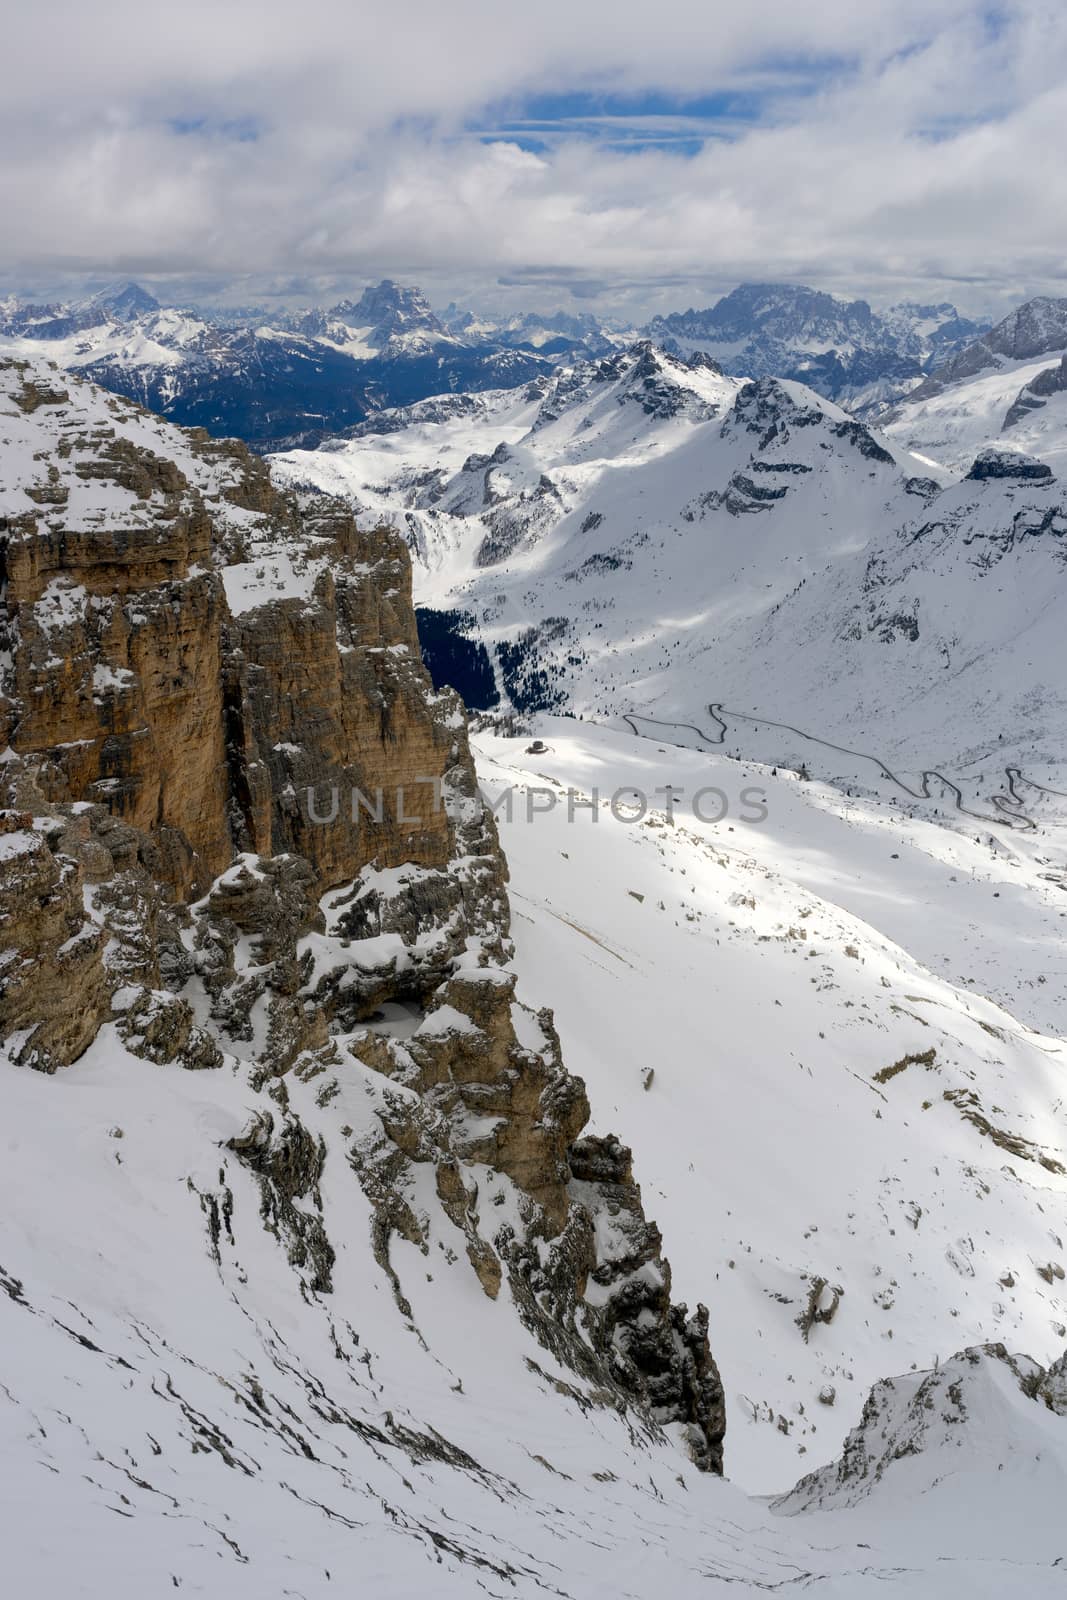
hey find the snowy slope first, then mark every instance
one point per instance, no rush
(967, 1407)
(194, 1412)
(1006, 388)
(957, 421)
(185, 1404)
(856, 1022)
(398, 465)
(182, 1400)
(198, 1420)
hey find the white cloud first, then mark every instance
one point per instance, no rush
(333, 141)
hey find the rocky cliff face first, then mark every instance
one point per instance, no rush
(1036, 394)
(1037, 328)
(242, 833)
(149, 676)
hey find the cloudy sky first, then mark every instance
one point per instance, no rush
(620, 155)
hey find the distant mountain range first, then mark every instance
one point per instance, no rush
(941, 383)
(300, 377)
(560, 335)
(311, 375)
(646, 532)
(841, 348)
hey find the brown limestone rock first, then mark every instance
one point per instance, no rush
(192, 654)
(53, 988)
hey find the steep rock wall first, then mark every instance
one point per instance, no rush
(190, 656)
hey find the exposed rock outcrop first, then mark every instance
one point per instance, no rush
(53, 989)
(244, 831)
(152, 675)
(994, 463)
(1036, 328)
(1037, 393)
(966, 1405)
(663, 1346)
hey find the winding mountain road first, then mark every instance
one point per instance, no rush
(1010, 812)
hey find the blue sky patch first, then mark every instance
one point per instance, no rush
(653, 120)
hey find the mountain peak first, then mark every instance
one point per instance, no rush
(125, 301)
(842, 348)
(1036, 328)
(393, 307)
(664, 384)
(644, 359)
(778, 309)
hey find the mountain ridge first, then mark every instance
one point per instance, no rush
(844, 349)
(297, 377)
(569, 518)
(1001, 391)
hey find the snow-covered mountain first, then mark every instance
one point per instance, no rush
(310, 1276)
(648, 535)
(841, 348)
(387, 320)
(299, 377)
(475, 474)
(559, 334)
(1037, 328)
(833, 996)
(1006, 389)
(308, 376)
